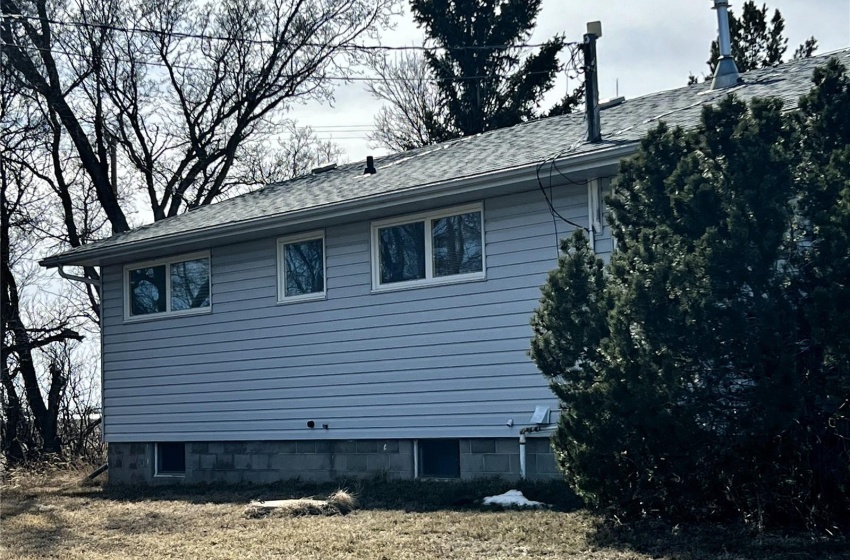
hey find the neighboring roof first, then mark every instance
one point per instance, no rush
(519, 147)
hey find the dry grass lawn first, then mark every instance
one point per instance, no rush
(53, 516)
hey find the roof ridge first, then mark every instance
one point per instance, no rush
(768, 69)
(310, 197)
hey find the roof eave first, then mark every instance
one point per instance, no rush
(484, 181)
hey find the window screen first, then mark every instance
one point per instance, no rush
(147, 290)
(190, 284)
(402, 252)
(304, 267)
(457, 244)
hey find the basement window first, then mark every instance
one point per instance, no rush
(170, 459)
(439, 458)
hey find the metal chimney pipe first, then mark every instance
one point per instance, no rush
(591, 81)
(726, 72)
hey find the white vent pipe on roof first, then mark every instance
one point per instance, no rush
(726, 72)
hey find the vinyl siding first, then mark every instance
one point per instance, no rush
(439, 361)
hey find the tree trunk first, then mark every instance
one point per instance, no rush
(44, 416)
(12, 412)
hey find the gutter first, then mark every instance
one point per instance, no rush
(414, 194)
(76, 278)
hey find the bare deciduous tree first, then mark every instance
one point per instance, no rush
(21, 214)
(182, 86)
(476, 74)
(168, 101)
(413, 114)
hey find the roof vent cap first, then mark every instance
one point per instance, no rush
(611, 102)
(323, 168)
(370, 166)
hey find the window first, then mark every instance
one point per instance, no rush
(433, 248)
(170, 459)
(301, 267)
(439, 458)
(179, 285)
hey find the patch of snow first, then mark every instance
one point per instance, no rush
(512, 498)
(402, 160)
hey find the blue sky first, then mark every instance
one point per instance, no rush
(647, 46)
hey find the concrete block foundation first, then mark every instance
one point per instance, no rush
(265, 462)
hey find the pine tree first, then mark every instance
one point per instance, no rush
(707, 370)
(485, 80)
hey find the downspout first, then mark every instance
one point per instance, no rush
(522, 454)
(593, 204)
(522, 441)
(99, 285)
(522, 432)
(76, 278)
(416, 459)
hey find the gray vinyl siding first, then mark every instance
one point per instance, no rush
(440, 361)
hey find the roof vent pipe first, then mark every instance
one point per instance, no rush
(591, 80)
(370, 166)
(726, 72)
(323, 168)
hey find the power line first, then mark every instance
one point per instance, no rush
(184, 35)
(341, 126)
(336, 138)
(176, 66)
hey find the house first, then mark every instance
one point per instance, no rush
(346, 323)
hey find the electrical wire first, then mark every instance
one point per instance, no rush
(184, 35)
(552, 209)
(572, 69)
(553, 159)
(343, 126)
(176, 66)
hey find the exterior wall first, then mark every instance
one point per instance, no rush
(442, 361)
(264, 462)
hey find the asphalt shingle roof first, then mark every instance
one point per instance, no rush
(489, 152)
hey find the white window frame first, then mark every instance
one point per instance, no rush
(597, 190)
(430, 279)
(167, 262)
(281, 267)
(157, 473)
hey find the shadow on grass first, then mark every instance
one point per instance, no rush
(372, 494)
(705, 541)
(43, 534)
(13, 507)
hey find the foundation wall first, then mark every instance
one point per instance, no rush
(264, 462)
